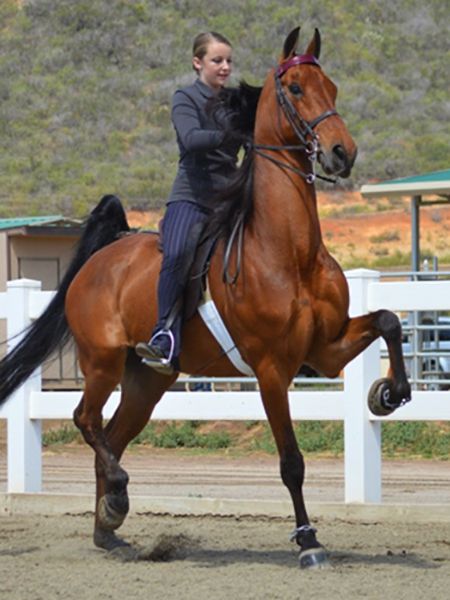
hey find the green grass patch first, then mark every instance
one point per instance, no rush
(320, 438)
(182, 435)
(313, 437)
(61, 435)
(416, 438)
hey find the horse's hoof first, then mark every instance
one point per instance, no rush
(380, 397)
(313, 558)
(108, 515)
(108, 540)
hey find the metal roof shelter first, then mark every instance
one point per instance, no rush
(53, 220)
(425, 190)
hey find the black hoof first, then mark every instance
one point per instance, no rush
(380, 398)
(313, 558)
(108, 540)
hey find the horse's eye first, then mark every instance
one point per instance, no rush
(295, 89)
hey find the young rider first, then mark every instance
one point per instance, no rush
(207, 158)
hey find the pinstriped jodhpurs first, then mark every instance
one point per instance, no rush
(179, 218)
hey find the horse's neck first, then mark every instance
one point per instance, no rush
(285, 212)
(285, 205)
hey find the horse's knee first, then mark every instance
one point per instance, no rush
(389, 326)
(77, 415)
(89, 426)
(292, 469)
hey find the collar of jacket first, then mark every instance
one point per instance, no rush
(204, 89)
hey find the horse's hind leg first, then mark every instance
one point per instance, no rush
(141, 390)
(102, 375)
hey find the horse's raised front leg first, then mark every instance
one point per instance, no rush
(386, 394)
(275, 399)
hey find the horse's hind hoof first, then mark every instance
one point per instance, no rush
(108, 540)
(313, 558)
(379, 398)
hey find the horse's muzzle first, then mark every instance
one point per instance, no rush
(337, 162)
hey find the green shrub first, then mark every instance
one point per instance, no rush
(399, 439)
(182, 435)
(385, 236)
(62, 435)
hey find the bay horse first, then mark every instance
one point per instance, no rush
(288, 307)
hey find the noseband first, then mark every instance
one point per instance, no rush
(303, 129)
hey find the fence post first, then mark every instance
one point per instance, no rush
(362, 436)
(24, 434)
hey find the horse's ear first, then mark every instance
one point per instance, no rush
(314, 46)
(290, 44)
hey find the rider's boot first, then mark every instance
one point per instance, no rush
(158, 352)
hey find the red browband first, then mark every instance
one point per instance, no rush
(298, 59)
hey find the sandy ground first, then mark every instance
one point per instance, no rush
(247, 557)
(163, 472)
(204, 557)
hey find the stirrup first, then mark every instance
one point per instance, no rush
(171, 337)
(151, 356)
(160, 365)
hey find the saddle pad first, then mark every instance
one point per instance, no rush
(213, 321)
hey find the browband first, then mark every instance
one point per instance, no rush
(297, 59)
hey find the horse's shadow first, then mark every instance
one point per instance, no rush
(212, 557)
(181, 547)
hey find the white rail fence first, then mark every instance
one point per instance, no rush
(28, 406)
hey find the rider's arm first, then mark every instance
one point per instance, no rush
(186, 121)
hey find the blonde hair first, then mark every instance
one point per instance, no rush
(202, 41)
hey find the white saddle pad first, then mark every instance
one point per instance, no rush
(213, 321)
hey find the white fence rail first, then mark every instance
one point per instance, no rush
(29, 405)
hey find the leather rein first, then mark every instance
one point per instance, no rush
(303, 129)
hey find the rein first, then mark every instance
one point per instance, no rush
(302, 128)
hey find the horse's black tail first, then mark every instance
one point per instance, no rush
(50, 330)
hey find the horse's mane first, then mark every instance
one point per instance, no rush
(235, 201)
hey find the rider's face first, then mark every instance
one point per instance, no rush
(215, 67)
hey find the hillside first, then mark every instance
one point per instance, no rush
(85, 88)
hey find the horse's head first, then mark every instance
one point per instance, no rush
(308, 117)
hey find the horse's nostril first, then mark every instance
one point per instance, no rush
(340, 153)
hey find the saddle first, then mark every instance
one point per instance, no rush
(200, 247)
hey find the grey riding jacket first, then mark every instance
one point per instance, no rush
(206, 160)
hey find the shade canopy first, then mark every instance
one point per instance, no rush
(420, 187)
(427, 184)
(55, 220)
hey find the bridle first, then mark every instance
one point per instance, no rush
(309, 143)
(304, 130)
